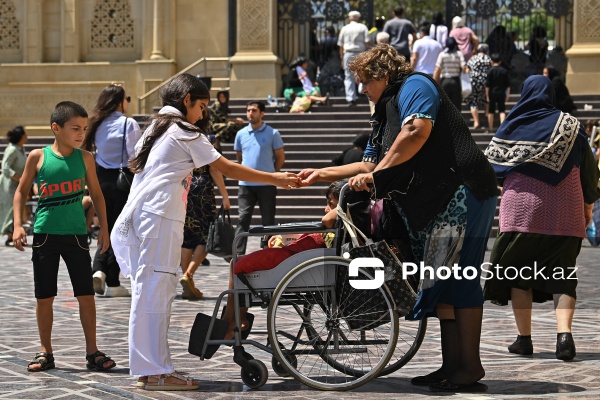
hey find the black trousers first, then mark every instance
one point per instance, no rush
(248, 196)
(115, 200)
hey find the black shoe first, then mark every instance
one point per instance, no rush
(425, 380)
(445, 386)
(565, 346)
(205, 262)
(522, 346)
(351, 103)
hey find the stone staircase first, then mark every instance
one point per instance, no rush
(313, 139)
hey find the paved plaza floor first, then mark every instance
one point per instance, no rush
(508, 376)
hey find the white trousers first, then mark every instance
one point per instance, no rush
(349, 80)
(155, 253)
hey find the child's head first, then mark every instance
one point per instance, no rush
(69, 123)
(333, 194)
(187, 94)
(496, 59)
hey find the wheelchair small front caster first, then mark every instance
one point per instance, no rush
(255, 374)
(279, 369)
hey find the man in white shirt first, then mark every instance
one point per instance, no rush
(352, 40)
(425, 51)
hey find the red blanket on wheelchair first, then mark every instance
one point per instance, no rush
(266, 259)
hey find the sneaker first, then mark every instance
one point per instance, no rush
(117, 291)
(99, 279)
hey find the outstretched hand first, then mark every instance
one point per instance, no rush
(286, 180)
(308, 176)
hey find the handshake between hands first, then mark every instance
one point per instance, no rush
(307, 177)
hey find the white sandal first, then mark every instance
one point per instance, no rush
(162, 384)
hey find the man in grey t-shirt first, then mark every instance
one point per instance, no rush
(399, 29)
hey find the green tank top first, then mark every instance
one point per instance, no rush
(61, 182)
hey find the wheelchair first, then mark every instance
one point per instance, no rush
(316, 335)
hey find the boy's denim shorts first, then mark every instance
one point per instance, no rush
(74, 250)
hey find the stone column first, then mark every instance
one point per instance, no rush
(69, 47)
(255, 69)
(32, 37)
(583, 74)
(157, 53)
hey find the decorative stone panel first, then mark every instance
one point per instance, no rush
(112, 26)
(254, 24)
(10, 37)
(588, 28)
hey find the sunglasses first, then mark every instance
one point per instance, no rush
(128, 99)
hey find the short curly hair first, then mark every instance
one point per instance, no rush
(379, 62)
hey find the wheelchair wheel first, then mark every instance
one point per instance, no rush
(410, 337)
(255, 375)
(337, 343)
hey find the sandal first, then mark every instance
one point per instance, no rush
(141, 382)
(98, 365)
(46, 360)
(159, 382)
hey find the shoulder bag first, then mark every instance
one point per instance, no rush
(125, 176)
(370, 302)
(220, 235)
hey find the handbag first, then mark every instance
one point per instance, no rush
(368, 303)
(125, 176)
(220, 235)
(465, 83)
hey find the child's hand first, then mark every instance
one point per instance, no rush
(286, 180)
(103, 240)
(19, 238)
(275, 241)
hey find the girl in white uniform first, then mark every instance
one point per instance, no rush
(149, 231)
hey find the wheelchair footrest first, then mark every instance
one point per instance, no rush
(199, 333)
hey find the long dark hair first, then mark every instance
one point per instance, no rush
(173, 94)
(109, 100)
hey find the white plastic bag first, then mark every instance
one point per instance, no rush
(465, 82)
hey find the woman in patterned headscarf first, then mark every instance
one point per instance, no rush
(546, 167)
(221, 126)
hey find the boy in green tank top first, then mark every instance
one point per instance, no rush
(62, 171)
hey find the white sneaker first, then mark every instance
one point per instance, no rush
(99, 280)
(117, 291)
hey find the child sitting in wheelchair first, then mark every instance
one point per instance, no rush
(278, 251)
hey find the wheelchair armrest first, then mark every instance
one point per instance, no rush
(294, 227)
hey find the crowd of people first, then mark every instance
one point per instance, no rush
(431, 47)
(158, 222)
